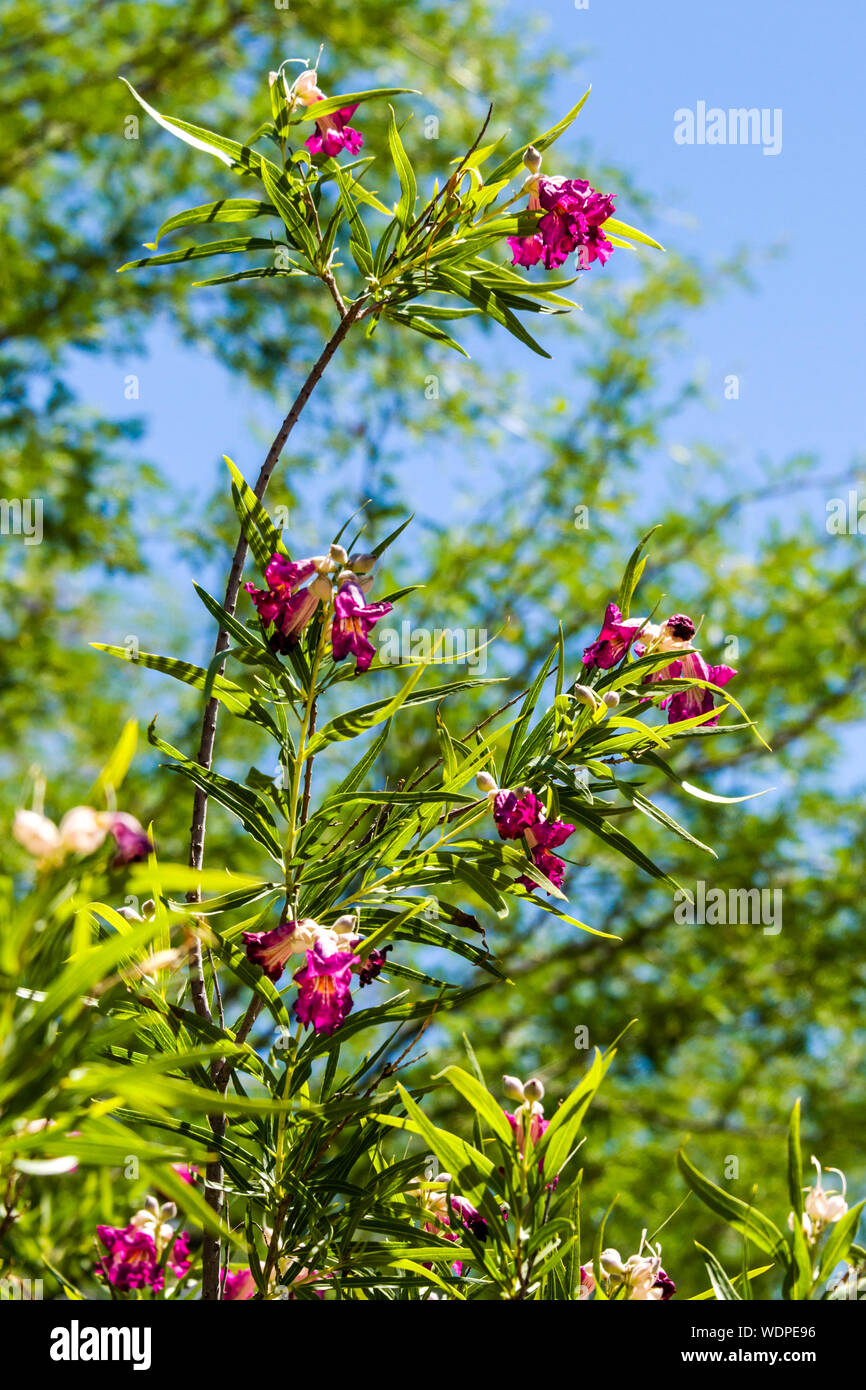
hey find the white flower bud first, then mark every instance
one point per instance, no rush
(611, 698)
(532, 160)
(321, 588)
(83, 829)
(39, 835)
(611, 1262)
(585, 696)
(485, 782)
(362, 564)
(534, 1090)
(338, 554)
(512, 1087)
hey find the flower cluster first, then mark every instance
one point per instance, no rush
(640, 1277)
(618, 634)
(338, 584)
(81, 831)
(521, 815)
(528, 1118)
(137, 1254)
(574, 214)
(324, 982)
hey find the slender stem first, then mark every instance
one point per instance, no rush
(213, 1187)
(308, 720)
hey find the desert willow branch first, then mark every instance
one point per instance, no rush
(220, 1074)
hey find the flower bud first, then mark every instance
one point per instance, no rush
(83, 830)
(39, 835)
(320, 588)
(362, 564)
(512, 1087)
(611, 698)
(532, 160)
(485, 782)
(585, 696)
(534, 1090)
(338, 554)
(611, 1262)
(347, 923)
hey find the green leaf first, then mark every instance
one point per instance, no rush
(633, 571)
(229, 152)
(795, 1162)
(838, 1243)
(295, 219)
(262, 536)
(561, 1134)
(112, 775)
(722, 1286)
(201, 252)
(631, 233)
(470, 1169)
(324, 108)
(405, 209)
(224, 210)
(234, 697)
(482, 1102)
(471, 288)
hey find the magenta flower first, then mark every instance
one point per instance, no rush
(284, 605)
(667, 1286)
(371, 967)
(541, 838)
(133, 843)
(614, 640)
(678, 628)
(133, 1261)
(270, 949)
(333, 133)
(514, 814)
(521, 814)
(353, 620)
(188, 1174)
(537, 1124)
(574, 215)
(687, 704)
(549, 864)
(325, 994)
(239, 1284)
